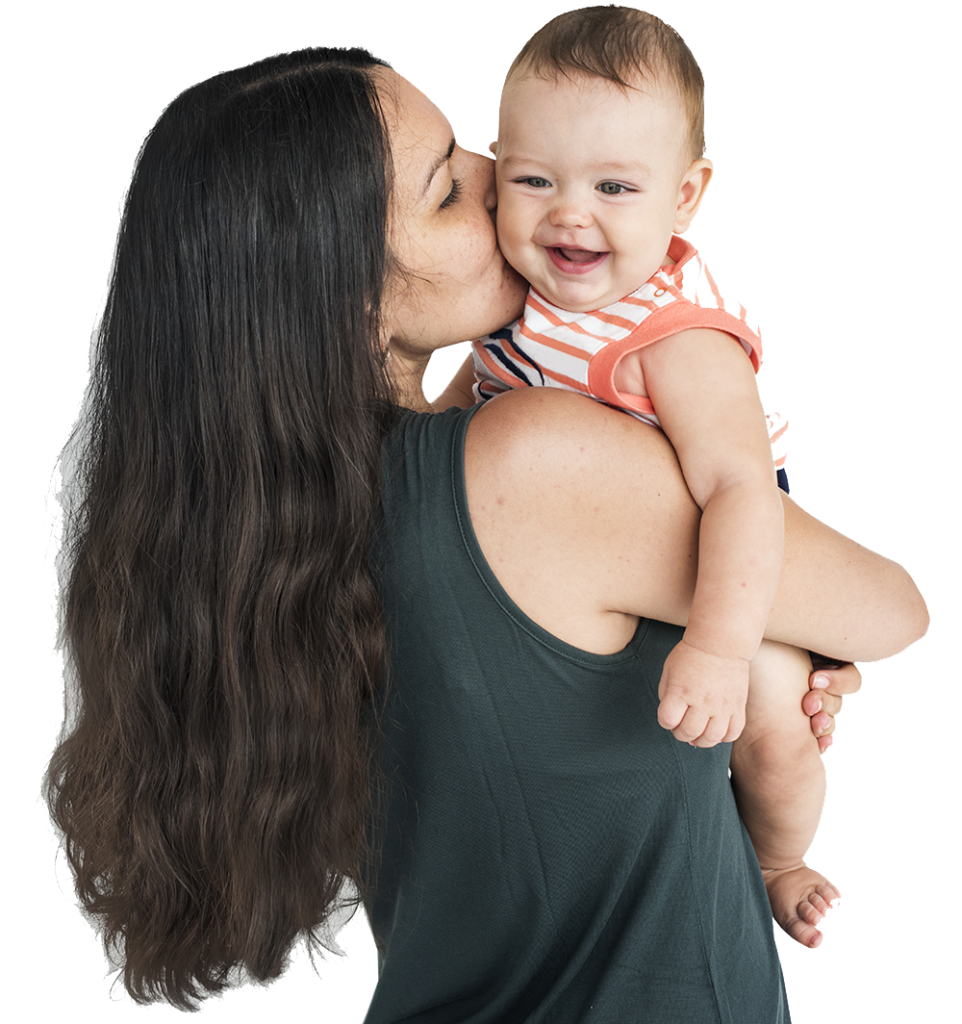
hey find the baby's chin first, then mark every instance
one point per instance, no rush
(578, 297)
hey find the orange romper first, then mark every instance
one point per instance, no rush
(553, 347)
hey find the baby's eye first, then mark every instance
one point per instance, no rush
(535, 182)
(613, 188)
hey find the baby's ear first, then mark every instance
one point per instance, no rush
(692, 193)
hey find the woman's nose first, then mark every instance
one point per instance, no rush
(482, 180)
(490, 188)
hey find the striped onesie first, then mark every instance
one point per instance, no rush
(553, 347)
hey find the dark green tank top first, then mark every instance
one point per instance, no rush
(549, 853)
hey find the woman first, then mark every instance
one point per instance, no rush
(299, 236)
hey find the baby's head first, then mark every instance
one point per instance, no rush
(599, 153)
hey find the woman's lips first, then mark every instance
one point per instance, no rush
(575, 261)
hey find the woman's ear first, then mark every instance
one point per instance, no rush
(690, 193)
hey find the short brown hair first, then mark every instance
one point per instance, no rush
(619, 44)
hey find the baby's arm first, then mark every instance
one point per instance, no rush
(702, 386)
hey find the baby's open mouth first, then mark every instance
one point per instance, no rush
(578, 255)
(576, 261)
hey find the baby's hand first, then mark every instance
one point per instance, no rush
(702, 696)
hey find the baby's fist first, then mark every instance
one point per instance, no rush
(702, 696)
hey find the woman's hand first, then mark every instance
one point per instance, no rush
(828, 682)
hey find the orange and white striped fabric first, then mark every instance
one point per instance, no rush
(553, 347)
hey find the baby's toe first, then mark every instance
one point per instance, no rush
(805, 932)
(824, 896)
(829, 893)
(813, 909)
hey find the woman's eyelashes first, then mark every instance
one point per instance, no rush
(454, 195)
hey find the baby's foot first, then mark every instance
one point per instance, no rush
(800, 898)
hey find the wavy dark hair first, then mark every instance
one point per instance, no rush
(221, 622)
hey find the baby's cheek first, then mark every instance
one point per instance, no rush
(512, 218)
(515, 247)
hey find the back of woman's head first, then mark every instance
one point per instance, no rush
(253, 239)
(220, 617)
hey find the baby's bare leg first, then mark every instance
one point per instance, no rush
(779, 785)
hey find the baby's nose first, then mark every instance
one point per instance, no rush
(569, 214)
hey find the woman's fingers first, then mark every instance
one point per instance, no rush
(834, 678)
(823, 702)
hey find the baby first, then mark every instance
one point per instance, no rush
(599, 169)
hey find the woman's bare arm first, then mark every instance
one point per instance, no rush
(584, 516)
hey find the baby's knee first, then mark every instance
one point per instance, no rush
(783, 751)
(791, 741)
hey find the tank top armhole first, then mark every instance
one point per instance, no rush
(492, 584)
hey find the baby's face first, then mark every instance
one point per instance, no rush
(590, 179)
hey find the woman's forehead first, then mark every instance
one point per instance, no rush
(406, 107)
(420, 134)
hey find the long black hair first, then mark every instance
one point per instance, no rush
(220, 617)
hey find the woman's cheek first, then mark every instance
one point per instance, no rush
(476, 248)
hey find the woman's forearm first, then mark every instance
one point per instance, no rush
(834, 596)
(840, 599)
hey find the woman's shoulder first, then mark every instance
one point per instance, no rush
(570, 501)
(554, 420)
(547, 443)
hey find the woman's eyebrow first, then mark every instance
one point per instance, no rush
(437, 165)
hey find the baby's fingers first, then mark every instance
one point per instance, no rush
(671, 711)
(735, 726)
(693, 727)
(718, 730)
